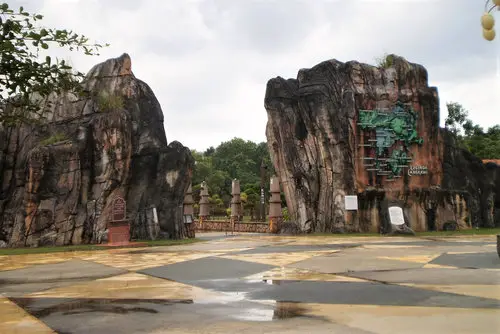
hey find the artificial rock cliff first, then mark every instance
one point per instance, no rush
(326, 142)
(58, 178)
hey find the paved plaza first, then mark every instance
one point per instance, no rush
(259, 284)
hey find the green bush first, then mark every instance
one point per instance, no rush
(286, 215)
(385, 61)
(109, 102)
(56, 138)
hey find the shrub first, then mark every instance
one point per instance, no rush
(385, 61)
(55, 138)
(109, 102)
(286, 215)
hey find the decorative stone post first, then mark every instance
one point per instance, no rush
(498, 245)
(188, 212)
(204, 203)
(235, 201)
(275, 214)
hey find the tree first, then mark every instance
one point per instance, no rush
(457, 118)
(23, 76)
(483, 144)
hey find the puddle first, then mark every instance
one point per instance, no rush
(44, 307)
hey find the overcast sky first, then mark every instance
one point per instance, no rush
(208, 61)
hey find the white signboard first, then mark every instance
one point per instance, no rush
(155, 216)
(396, 215)
(351, 203)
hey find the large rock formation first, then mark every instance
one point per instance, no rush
(354, 129)
(58, 178)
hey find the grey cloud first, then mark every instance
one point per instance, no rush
(265, 26)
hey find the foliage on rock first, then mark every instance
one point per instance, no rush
(24, 78)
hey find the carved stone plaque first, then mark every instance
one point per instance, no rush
(119, 209)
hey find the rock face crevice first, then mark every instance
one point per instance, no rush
(58, 178)
(317, 147)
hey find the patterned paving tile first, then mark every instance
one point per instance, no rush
(277, 259)
(295, 274)
(212, 268)
(485, 291)
(129, 286)
(139, 261)
(14, 319)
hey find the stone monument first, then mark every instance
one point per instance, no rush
(204, 203)
(275, 214)
(118, 225)
(235, 201)
(188, 212)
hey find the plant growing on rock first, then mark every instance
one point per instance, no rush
(56, 138)
(385, 61)
(23, 75)
(109, 102)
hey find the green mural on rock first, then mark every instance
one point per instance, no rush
(388, 136)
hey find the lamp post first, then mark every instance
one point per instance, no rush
(488, 21)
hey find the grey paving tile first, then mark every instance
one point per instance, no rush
(434, 276)
(68, 270)
(489, 260)
(210, 268)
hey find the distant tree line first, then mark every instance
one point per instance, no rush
(234, 159)
(485, 144)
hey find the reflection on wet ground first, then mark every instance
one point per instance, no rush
(248, 284)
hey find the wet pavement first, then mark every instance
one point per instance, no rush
(259, 283)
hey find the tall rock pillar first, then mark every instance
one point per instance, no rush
(204, 203)
(275, 214)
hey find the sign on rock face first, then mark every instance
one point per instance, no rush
(396, 215)
(351, 203)
(119, 209)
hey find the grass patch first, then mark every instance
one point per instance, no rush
(342, 235)
(81, 248)
(56, 138)
(110, 102)
(471, 232)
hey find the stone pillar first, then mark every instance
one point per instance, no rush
(235, 201)
(275, 214)
(188, 212)
(188, 201)
(204, 203)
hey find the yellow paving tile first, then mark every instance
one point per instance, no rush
(486, 291)
(285, 273)
(437, 266)
(405, 319)
(14, 320)
(143, 260)
(22, 261)
(390, 246)
(129, 286)
(411, 258)
(277, 259)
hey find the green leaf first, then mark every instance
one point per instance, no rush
(45, 46)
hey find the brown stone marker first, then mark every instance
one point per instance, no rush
(275, 214)
(118, 226)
